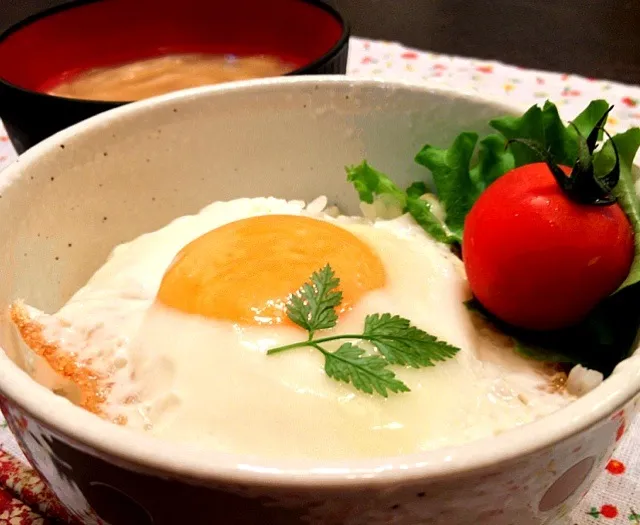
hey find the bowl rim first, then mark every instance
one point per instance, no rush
(201, 465)
(306, 69)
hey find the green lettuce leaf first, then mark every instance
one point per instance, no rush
(458, 181)
(417, 189)
(464, 170)
(421, 212)
(371, 183)
(450, 170)
(628, 144)
(544, 125)
(494, 160)
(586, 120)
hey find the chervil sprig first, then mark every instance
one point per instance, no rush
(396, 341)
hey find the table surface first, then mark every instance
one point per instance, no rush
(594, 38)
(615, 497)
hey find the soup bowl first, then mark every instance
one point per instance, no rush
(58, 44)
(69, 200)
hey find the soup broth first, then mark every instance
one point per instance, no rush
(156, 76)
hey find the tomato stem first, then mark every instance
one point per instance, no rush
(582, 184)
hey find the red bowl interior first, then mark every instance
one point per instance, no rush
(43, 52)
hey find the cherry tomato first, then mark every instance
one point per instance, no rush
(537, 259)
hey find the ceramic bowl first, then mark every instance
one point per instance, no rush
(38, 53)
(67, 201)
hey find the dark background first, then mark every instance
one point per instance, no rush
(595, 38)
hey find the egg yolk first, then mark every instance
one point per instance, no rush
(245, 271)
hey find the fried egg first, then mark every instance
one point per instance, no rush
(171, 336)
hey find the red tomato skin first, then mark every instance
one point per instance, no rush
(538, 260)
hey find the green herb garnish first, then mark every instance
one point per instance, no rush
(396, 341)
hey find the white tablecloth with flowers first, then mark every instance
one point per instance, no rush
(615, 498)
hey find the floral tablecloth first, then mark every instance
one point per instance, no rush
(615, 498)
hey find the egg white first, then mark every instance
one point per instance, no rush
(192, 379)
